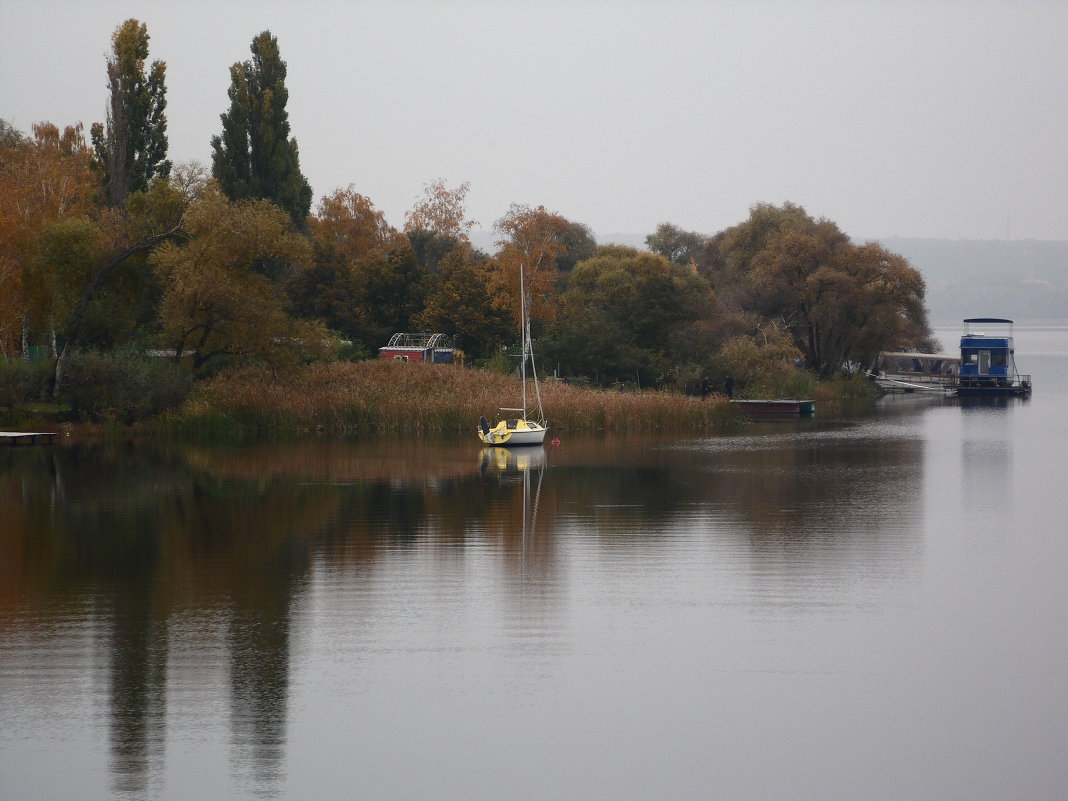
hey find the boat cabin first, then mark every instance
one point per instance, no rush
(987, 359)
(903, 371)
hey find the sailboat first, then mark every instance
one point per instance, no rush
(519, 429)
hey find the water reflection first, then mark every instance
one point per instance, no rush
(200, 564)
(137, 656)
(986, 461)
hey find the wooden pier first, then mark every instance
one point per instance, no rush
(27, 437)
(776, 409)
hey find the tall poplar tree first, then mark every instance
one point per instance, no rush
(132, 149)
(255, 157)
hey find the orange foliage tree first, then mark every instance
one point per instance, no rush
(42, 181)
(441, 211)
(535, 239)
(348, 227)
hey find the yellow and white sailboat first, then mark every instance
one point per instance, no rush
(519, 429)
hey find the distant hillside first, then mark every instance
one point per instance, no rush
(1024, 280)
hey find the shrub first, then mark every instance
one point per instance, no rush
(122, 385)
(23, 382)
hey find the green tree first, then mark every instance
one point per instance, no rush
(391, 291)
(675, 244)
(461, 303)
(132, 149)
(629, 312)
(580, 245)
(115, 240)
(760, 363)
(255, 157)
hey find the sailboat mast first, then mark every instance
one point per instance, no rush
(523, 337)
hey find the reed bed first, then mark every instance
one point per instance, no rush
(383, 397)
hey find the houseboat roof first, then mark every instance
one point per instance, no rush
(988, 320)
(916, 355)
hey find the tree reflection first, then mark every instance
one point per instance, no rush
(162, 539)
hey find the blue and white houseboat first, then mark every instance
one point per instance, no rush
(987, 360)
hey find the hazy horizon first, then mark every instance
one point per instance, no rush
(920, 120)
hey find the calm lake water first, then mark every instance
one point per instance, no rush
(862, 608)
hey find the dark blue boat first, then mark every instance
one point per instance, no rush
(987, 360)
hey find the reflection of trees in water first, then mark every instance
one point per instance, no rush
(150, 540)
(137, 657)
(259, 687)
(166, 536)
(794, 485)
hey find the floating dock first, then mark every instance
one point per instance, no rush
(776, 409)
(27, 437)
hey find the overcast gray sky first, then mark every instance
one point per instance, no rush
(934, 118)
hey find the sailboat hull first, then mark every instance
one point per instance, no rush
(513, 432)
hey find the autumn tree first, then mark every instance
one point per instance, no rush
(356, 255)
(255, 156)
(347, 227)
(131, 149)
(535, 239)
(43, 180)
(441, 211)
(215, 301)
(438, 222)
(841, 303)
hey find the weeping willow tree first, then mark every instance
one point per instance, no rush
(841, 302)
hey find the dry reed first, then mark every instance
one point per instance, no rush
(385, 396)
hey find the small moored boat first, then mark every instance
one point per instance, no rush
(517, 428)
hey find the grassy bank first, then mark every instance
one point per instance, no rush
(344, 398)
(382, 397)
